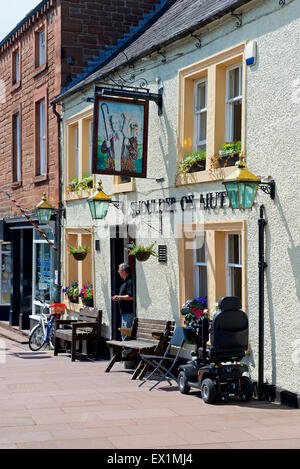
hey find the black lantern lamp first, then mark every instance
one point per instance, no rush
(44, 210)
(99, 203)
(241, 186)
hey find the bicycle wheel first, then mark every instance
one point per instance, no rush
(52, 336)
(36, 338)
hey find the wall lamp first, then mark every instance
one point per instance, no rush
(99, 203)
(241, 186)
(44, 210)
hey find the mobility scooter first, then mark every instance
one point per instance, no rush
(217, 369)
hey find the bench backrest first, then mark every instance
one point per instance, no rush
(90, 315)
(142, 329)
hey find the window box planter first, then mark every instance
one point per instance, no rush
(227, 160)
(199, 166)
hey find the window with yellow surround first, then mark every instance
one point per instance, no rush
(79, 144)
(211, 119)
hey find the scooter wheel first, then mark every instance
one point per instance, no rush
(247, 389)
(182, 383)
(208, 391)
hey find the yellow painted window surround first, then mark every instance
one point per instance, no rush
(212, 70)
(82, 271)
(216, 236)
(78, 149)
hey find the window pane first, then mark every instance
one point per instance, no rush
(91, 147)
(5, 274)
(201, 288)
(201, 96)
(44, 273)
(76, 153)
(16, 66)
(202, 126)
(236, 281)
(201, 254)
(234, 249)
(42, 47)
(236, 121)
(234, 86)
(42, 138)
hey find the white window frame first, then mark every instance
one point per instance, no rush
(91, 122)
(42, 114)
(17, 65)
(37, 303)
(198, 112)
(230, 265)
(77, 151)
(42, 47)
(18, 146)
(197, 265)
(231, 101)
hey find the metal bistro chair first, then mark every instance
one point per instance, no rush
(159, 362)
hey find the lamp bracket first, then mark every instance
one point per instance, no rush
(130, 92)
(268, 188)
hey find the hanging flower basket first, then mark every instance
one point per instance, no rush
(142, 253)
(79, 256)
(79, 253)
(142, 256)
(87, 302)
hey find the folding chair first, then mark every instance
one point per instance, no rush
(160, 362)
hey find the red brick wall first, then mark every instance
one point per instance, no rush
(88, 26)
(30, 191)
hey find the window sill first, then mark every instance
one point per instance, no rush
(84, 194)
(16, 184)
(41, 178)
(15, 86)
(40, 69)
(199, 177)
(125, 187)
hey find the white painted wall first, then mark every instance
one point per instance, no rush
(272, 149)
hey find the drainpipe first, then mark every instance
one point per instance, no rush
(60, 212)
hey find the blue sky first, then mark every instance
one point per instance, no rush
(13, 12)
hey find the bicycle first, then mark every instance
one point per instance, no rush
(44, 332)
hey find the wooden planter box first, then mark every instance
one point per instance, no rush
(199, 166)
(228, 160)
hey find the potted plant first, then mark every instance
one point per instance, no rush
(229, 154)
(196, 161)
(142, 253)
(194, 309)
(87, 295)
(76, 184)
(72, 292)
(79, 253)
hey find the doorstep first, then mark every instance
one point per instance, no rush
(13, 334)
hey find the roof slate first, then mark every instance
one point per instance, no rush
(182, 18)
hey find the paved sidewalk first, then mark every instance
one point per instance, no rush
(50, 402)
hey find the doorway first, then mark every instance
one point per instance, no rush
(119, 241)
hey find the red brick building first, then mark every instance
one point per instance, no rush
(57, 41)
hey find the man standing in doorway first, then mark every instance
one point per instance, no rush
(125, 297)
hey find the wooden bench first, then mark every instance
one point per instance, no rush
(145, 336)
(86, 328)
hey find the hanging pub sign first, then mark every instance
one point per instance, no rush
(120, 136)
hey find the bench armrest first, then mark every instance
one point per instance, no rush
(125, 330)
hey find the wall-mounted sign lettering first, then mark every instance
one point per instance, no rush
(120, 136)
(211, 200)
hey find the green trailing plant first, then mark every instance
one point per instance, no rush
(77, 185)
(135, 249)
(194, 158)
(229, 149)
